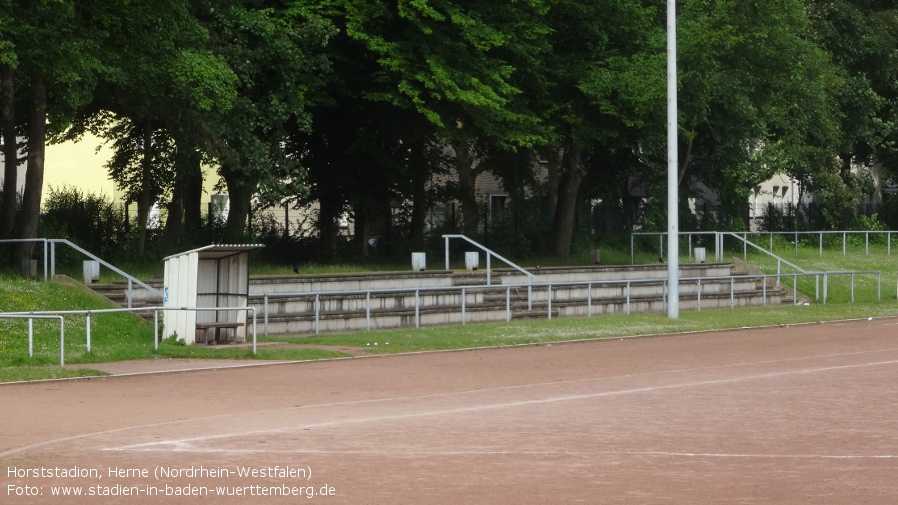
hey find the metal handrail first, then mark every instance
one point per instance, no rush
(87, 313)
(771, 234)
(765, 251)
(31, 317)
(508, 287)
(661, 235)
(490, 252)
(51, 263)
(131, 279)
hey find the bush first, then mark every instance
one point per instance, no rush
(92, 221)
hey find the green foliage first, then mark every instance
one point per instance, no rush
(89, 220)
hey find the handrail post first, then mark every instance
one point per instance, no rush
(825, 287)
(45, 260)
(530, 295)
(254, 330)
(699, 296)
(508, 304)
(87, 325)
(368, 311)
(61, 342)
(628, 298)
(30, 337)
(764, 289)
(265, 315)
(852, 287)
(156, 329)
(549, 298)
(589, 300)
(317, 312)
(844, 242)
(417, 308)
(463, 306)
(446, 253)
(489, 274)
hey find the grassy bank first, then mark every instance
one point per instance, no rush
(117, 337)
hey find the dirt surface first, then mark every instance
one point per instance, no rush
(786, 415)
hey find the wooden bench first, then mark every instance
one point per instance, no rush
(218, 327)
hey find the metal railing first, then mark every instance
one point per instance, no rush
(795, 235)
(60, 314)
(489, 254)
(627, 285)
(746, 243)
(661, 248)
(50, 265)
(845, 234)
(31, 317)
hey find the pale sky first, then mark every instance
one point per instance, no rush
(79, 164)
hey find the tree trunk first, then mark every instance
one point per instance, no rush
(328, 213)
(240, 194)
(144, 198)
(419, 197)
(362, 224)
(467, 180)
(560, 236)
(34, 176)
(193, 197)
(553, 178)
(175, 215)
(10, 151)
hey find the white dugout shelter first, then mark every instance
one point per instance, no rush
(213, 276)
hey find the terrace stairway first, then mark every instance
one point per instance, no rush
(353, 302)
(345, 303)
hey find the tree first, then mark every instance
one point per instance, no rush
(464, 66)
(604, 71)
(861, 37)
(756, 96)
(54, 60)
(275, 49)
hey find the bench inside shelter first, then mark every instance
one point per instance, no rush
(217, 326)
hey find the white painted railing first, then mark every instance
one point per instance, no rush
(462, 291)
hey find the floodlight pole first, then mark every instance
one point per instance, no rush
(673, 235)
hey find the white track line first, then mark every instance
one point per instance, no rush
(184, 445)
(454, 393)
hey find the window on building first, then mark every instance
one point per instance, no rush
(497, 205)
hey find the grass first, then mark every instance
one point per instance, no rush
(611, 326)
(855, 258)
(117, 337)
(114, 337)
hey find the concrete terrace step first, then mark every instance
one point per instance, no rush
(354, 303)
(117, 292)
(360, 311)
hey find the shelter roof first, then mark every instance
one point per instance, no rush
(218, 251)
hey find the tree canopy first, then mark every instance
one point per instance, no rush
(380, 110)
